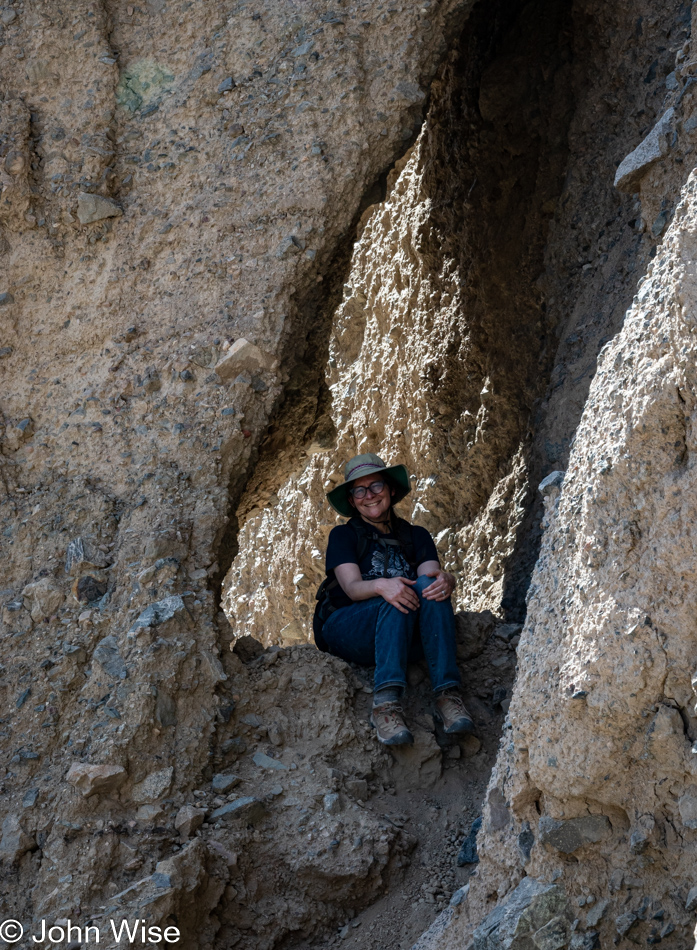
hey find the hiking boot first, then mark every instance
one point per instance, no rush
(388, 720)
(450, 711)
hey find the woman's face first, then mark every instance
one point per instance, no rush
(372, 507)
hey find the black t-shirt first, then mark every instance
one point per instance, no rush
(342, 548)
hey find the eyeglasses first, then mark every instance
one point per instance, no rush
(361, 491)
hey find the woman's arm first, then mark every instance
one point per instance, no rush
(395, 590)
(443, 585)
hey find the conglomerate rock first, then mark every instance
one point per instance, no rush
(174, 178)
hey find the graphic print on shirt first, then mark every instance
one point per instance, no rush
(397, 565)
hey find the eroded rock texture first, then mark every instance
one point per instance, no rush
(175, 178)
(593, 791)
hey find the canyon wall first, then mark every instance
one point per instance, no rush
(241, 243)
(177, 181)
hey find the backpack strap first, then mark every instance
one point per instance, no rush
(404, 533)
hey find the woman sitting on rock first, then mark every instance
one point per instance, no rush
(386, 599)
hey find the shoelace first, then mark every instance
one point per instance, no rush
(453, 705)
(389, 709)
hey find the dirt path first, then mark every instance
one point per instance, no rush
(437, 811)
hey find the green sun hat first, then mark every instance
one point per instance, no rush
(367, 464)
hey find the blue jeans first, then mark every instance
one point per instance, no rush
(373, 632)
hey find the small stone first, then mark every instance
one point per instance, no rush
(6, 351)
(569, 835)
(188, 819)
(243, 809)
(30, 798)
(469, 746)
(596, 914)
(553, 481)
(415, 675)
(226, 85)
(332, 803)
(153, 786)
(472, 630)
(6, 298)
(22, 698)
(150, 813)
(357, 788)
(160, 612)
(687, 805)
(266, 762)
(633, 168)
(96, 779)
(526, 840)
(91, 208)
(691, 902)
(625, 922)
(223, 783)
(242, 356)
(234, 747)
(80, 552)
(289, 247)
(107, 654)
(460, 896)
(15, 841)
(42, 599)
(468, 850)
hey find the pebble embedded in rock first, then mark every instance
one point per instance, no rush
(93, 779)
(224, 782)
(91, 208)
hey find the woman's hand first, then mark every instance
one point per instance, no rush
(397, 591)
(442, 586)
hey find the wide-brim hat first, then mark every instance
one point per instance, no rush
(368, 464)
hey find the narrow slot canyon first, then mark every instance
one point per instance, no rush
(240, 245)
